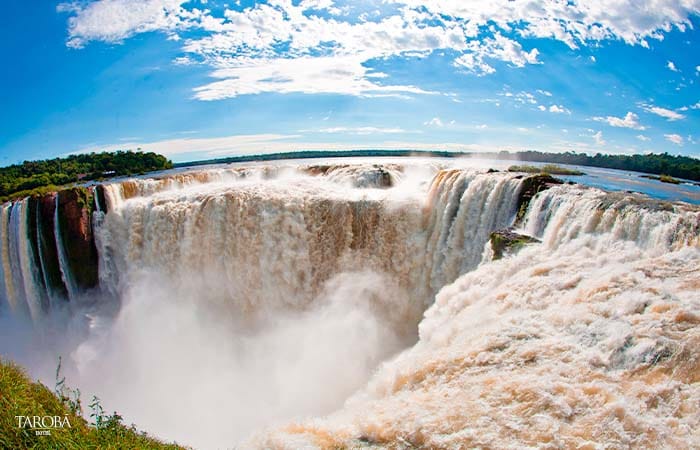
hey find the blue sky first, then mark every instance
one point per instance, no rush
(202, 79)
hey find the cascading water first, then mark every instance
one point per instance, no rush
(9, 251)
(588, 340)
(248, 297)
(66, 273)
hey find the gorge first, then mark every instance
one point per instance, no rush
(361, 304)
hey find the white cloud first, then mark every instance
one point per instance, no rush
(499, 48)
(631, 120)
(671, 66)
(360, 130)
(542, 108)
(545, 93)
(188, 149)
(115, 20)
(643, 138)
(663, 112)
(434, 122)
(675, 138)
(309, 75)
(598, 138)
(522, 97)
(474, 64)
(508, 50)
(242, 144)
(573, 22)
(248, 47)
(558, 109)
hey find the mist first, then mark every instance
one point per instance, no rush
(183, 370)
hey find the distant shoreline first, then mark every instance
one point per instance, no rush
(663, 164)
(38, 177)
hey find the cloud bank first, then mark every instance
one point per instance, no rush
(328, 47)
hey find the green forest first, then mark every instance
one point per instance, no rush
(35, 177)
(658, 164)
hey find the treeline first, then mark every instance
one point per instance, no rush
(309, 154)
(35, 175)
(659, 164)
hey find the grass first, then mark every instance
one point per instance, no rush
(40, 191)
(551, 169)
(663, 178)
(19, 396)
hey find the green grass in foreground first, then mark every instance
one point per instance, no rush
(551, 169)
(19, 396)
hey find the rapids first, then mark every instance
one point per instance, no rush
(354, 305)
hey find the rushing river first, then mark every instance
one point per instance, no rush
(303, 304)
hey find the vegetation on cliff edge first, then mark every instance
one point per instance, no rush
(19, 396)
(663, 179)
(660, 164)
(39, 177)
(551, 169)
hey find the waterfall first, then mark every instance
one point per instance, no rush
(259, 244)
(588, 338)
(23, 288)
(275, 243)
(464, 208)
(8, 278)
(50, 295)
(34, 290)
(564, 213)
(66, 274)
(291, 286)
(17, 271)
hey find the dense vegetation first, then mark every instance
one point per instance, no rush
(308, 154)
(659, 164)
(21, 397)
(37, 177)
(551, 169)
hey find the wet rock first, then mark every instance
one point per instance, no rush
(46, 206)
(532, 186)
(507, 242)
(75, 221)
(362, 176)
(376, 178)
(101, 198)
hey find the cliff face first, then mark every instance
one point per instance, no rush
(47, 251)
(46, 244)
(75, 208)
